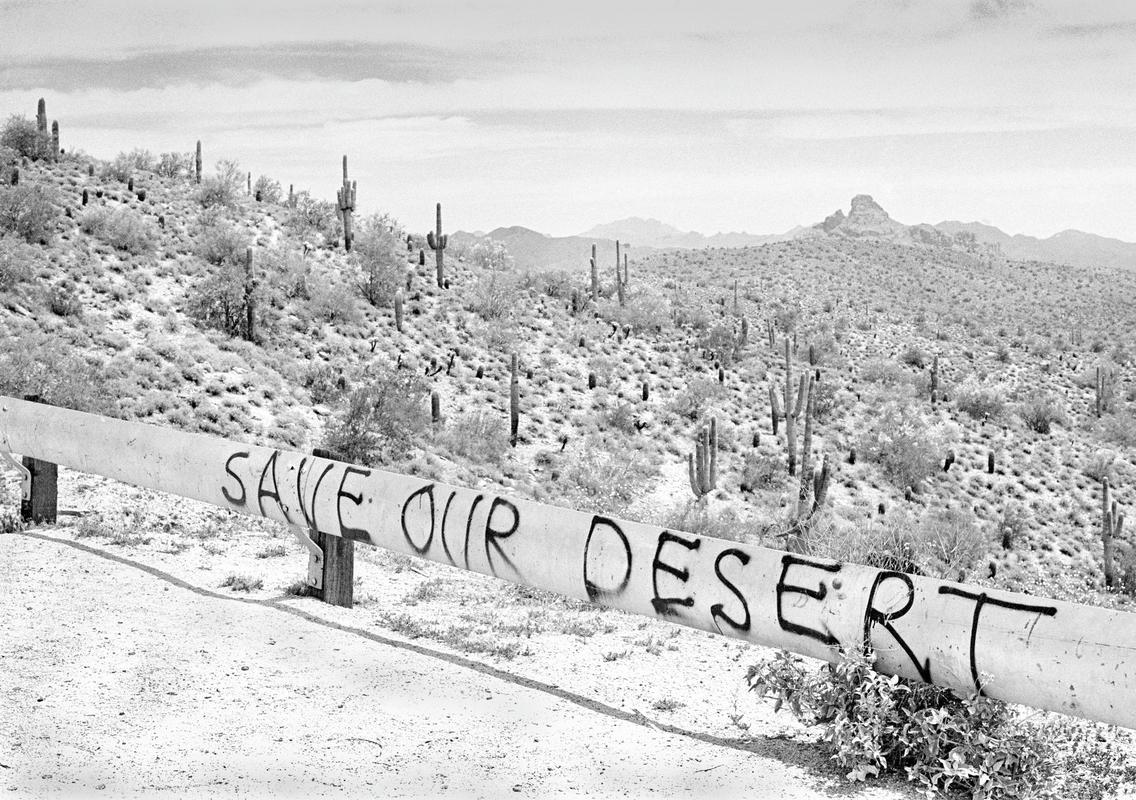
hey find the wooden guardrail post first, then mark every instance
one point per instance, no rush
(42, 503)
(338, 560)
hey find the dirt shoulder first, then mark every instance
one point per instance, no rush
(119, 680)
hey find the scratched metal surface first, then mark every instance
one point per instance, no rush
(1020, 648)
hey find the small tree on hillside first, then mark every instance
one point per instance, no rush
(379, 251)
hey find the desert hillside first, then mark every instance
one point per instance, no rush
(960, 417)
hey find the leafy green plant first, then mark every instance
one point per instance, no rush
(1040, 411)
(20, 135)
(379, 254)
(379, 421)
(876, 724)
(905, 442)
(29, 211)
(122, 228)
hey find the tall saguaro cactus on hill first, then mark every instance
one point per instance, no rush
(620, 289)
(438, 242)
(55, 140)
(514, 402)
(197, 164)
(595, 276)
(346, 199)
(702, 464)
(793, 408)
(41, 126)
(1112, 523)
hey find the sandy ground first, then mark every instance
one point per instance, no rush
(119, 680)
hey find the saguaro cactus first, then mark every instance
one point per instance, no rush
(55, 140)
(197, 163)
(934, 380)
(1112, 522)
(793, 408)
(435, 408)
(702, 464)
(398, 310)
(619, 288)
(514, 402)
(41, 126)
(595, 276)
(1105, 385)
(346, 199)
(437, 242)
(250, 298)
(626, 274)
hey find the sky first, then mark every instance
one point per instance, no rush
(712, 115)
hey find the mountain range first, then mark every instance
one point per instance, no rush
(865, 219)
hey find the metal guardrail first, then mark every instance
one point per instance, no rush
(1048, 654)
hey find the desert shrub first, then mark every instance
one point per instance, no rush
(221, 188)
(719, 340)
(786, 311)
(554, 283)
(643, 311)
(63, 301)
(763, 469)
(221, 243)
(886, 373)
(904, 442)
(309, 216)
(267, 189)
(325, 382)
(125, 165)
(1119, 428)
(826, 402)
(290, 274)
(1101, 465)
(17, 261)
(700, 394)
(379, 421)
(875, 724)
(36, 363)
(1040, 411)
(20, 135)
(980, 400)
(494, 296)
(701, 520)
(223, 300)
(174, 165)
(480, 436)
(29, 211)
(332, 301)
(912, 356)
(379, 256)
(488, 254)
(604, 476)
(122, 228)
(940, 543)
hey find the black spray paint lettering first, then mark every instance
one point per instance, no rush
(874, 616)
(594, 591)
(982, 599)
(347, 532)
(716, 611)
(665, 606)
(493, 535)
(819, 593)
(425, 494)
(261, 493)
(310, 519)
(237, 501)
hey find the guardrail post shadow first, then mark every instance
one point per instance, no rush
(338, 561)
(41, 505)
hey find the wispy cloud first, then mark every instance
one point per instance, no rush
(995, 9)
(1091, 30)
(243, 66)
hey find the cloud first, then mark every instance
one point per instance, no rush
(1090, 30)
(995, 9)
(243, 66)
